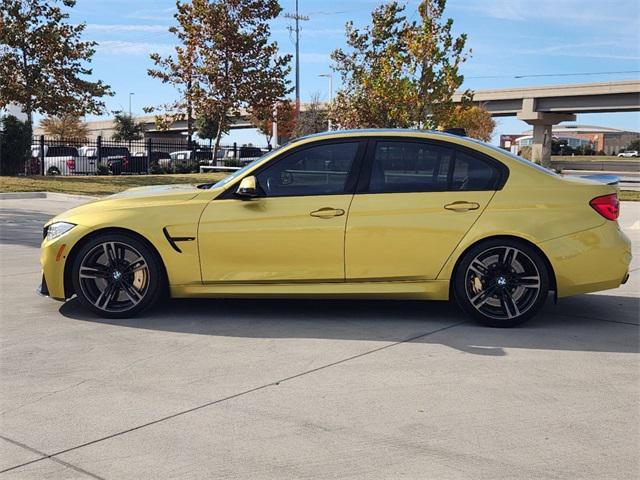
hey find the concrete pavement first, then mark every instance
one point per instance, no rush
(311, 389)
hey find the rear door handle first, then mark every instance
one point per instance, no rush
(327, 212)
(462, 206)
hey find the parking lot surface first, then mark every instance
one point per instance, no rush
(311, 389)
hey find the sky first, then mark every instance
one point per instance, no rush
(513, 43)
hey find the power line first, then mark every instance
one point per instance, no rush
(555, 74)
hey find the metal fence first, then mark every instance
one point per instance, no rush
(136, 157)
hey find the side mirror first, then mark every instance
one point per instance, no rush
(248, 188)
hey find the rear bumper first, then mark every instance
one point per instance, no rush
(589, 261)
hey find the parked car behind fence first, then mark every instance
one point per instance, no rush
(108, 157)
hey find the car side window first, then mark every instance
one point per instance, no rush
(316, 170)
(472, 174)
(409, 167)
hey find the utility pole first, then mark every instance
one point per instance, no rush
(330, 77)
(130, 103)
(297, 17)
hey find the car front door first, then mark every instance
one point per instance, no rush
(415, 203)
(294, 231)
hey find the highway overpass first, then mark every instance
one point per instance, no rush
(543, 107)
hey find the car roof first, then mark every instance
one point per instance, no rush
(372, 132)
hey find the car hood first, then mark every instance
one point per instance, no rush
(138, 197)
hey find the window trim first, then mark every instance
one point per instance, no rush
(349, 186)
(367, 167)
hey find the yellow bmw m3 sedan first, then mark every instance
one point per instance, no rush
(394, 214)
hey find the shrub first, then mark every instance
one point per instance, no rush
(182, 168)
(102, 170)
(156, 169)
(15, 145)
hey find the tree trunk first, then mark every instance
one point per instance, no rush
(218, 135)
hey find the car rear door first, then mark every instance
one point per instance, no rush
(416, 200)
(294, 232)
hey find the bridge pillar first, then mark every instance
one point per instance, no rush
(542, 123)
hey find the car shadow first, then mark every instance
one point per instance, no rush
(585, 324)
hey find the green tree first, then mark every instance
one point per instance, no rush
(399, 73)
(43, 61)
(126, 128)
(64, 126)
(15, 143)
(634, 145)
(207, 128)
(225, 61)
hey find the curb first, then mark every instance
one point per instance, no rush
(21, 195)
(52, 195)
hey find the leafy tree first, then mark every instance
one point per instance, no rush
(64, 126)
(399, 73)
(15, 142)
(313, 119)
(43, 61)
(476, 121)
(179, 71)
(225, 61)
(207, 128)
(634, 145)
(126, 128)
(285, 118)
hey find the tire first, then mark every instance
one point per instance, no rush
(117, 275)
(501, 282)
(53, 171)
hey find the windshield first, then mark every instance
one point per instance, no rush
(240, 172)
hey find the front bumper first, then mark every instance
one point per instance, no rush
(42, 289)
(589, 261)
(53, 259)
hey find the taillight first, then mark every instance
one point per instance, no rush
(71, 164)
(607, 205)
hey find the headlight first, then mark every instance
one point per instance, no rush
(54, 230)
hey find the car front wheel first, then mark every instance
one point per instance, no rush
(117, 276)
(501, 283)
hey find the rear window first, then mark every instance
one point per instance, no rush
(248, 152)
(62, 151)
(472, 173)
(409, 167)
(114, 151)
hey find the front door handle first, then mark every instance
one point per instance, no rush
(462, 206)
(327, 212)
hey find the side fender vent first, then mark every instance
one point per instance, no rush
(173, 241)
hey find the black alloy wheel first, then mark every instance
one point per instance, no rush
(502, 283)
(117, 275)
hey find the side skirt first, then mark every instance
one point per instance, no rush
(425, 290)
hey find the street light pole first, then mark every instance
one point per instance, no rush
(330, 77)
(130, 94)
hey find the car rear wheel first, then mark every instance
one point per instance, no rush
(501, 283)
(117, 276)
(53, 171)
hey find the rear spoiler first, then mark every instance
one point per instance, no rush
(606, 179)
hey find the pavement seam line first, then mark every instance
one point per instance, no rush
(236, 395)
(49, 457)
(597, 319)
